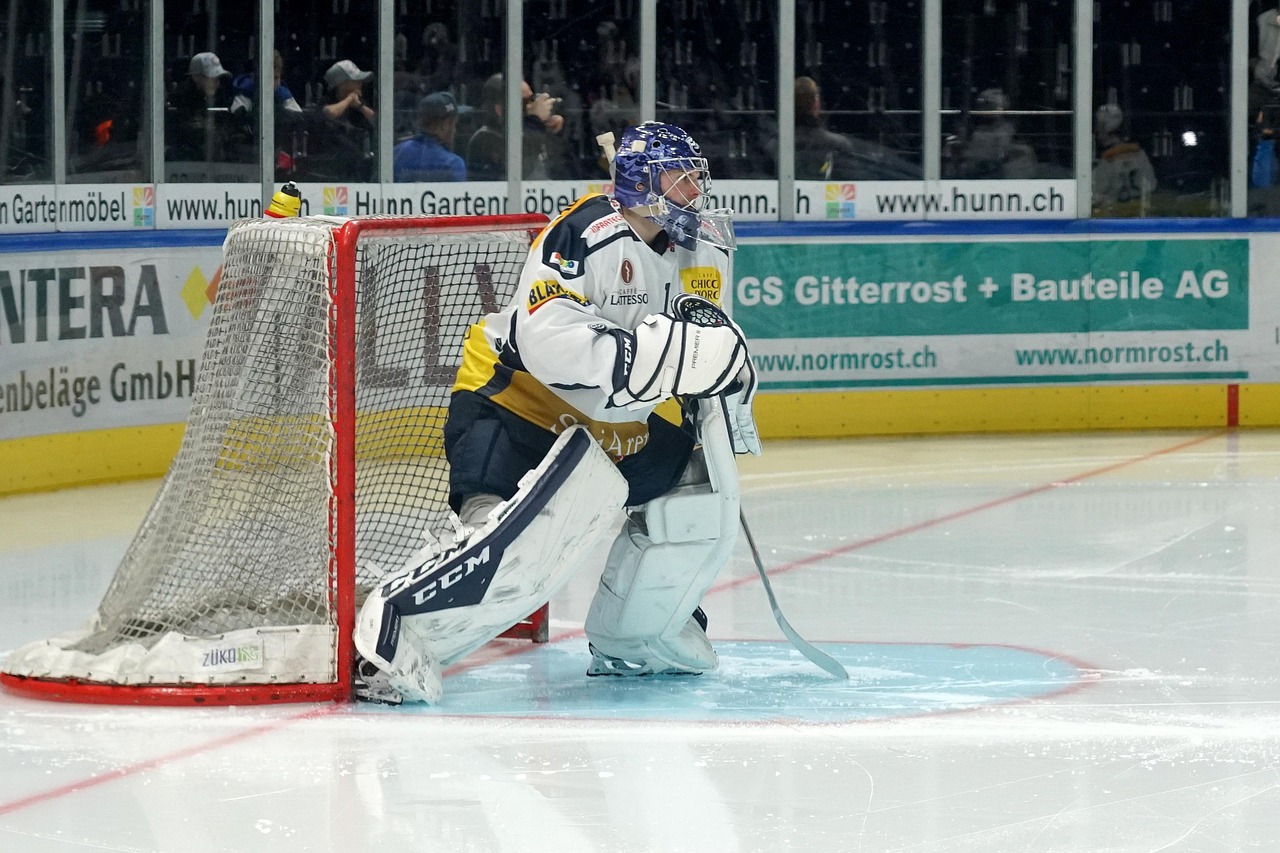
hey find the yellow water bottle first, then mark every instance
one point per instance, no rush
(286, 202)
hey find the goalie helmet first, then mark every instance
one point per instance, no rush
(644, 154)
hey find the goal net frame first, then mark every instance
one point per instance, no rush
(343, 328)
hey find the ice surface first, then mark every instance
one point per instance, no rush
(1056, 643)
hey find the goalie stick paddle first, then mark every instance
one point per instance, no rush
(809, 650)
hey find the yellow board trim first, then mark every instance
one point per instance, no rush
(44, 462)
(1260, 405)
(1027, 409)
(49, 462)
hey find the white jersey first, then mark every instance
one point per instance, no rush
(1122, 176)
(553, 355)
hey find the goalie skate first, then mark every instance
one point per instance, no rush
(373, 685)
(693, 636)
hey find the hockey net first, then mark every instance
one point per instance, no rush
(312, 460)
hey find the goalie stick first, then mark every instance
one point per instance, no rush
(812, 652)
(695, 309)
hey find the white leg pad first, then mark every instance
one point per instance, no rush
(645, 601)
(654, 580)
(441, 606)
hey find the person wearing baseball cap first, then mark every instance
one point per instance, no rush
(207, 66)
(345, 82)
(429, 155)
(346, 127)
(196, 127)
(343, 71)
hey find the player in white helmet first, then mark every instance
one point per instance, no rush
(590, 348)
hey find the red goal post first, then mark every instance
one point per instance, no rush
(312, 461)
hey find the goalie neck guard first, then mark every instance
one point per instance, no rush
(644, 154)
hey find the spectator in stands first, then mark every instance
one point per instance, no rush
(436, 71)
(1123, 178)
(343, 130)
(817, 149)
(288, 113)
(613, 112)
(486, 150)
(245, 86)
(1264, 113)
(196, 127)
(1264, 65)
(429, 155)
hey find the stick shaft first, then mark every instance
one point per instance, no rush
(810, 651)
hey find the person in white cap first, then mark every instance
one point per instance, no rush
(346, 127)
(193, 125)
(345, 82)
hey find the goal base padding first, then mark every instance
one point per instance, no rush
(535, 628)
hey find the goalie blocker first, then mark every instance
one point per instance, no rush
(443, 605)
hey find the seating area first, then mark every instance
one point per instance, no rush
(1164, 63)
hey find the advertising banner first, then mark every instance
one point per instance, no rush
(30, 209)
(205, 205)
(93, 339)
(935, 200)
(216, 204)
(837, 315)
(210, 205)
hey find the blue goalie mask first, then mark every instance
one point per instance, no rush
(647, 152)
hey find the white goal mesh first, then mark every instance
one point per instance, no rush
(238, 575)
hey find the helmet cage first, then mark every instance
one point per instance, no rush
(679, 219)
(691, 169)
(647, 152)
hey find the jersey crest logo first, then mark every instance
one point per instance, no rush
(542, 292)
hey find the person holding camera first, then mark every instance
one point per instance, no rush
(543, 145)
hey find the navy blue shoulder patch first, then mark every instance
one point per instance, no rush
(564, 245)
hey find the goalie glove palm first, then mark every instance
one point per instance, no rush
(665, 357)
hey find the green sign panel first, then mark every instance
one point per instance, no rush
(815, 290)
